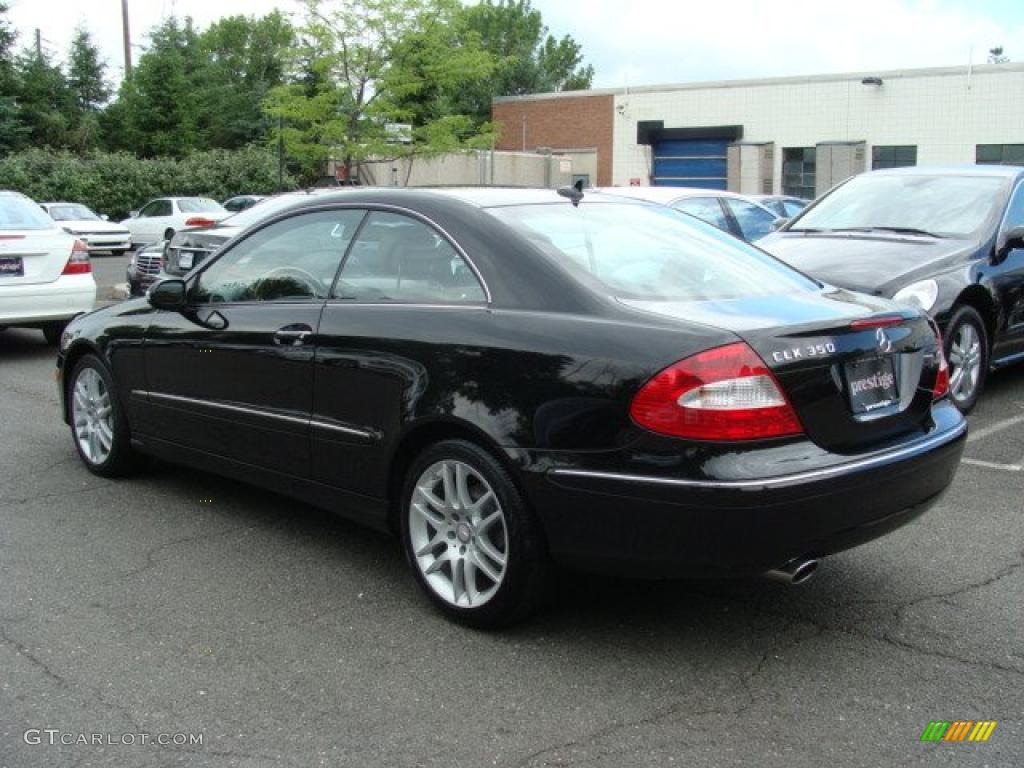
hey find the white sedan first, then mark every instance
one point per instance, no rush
(93, 230)
(159, 219)
(45, 274)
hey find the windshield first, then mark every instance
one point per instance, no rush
(22, 213)
(72, 213)
(199, 205)
(649, 252)
(945, 206)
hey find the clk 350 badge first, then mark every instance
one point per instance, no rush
(800, 353)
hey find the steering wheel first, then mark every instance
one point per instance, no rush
(318, 289)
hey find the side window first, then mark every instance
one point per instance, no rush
(291, 260)
(153, 208)
(754, 222)
(398, 258)
(704, 208)
(1015, 211)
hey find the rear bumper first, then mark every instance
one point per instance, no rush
(64, 298)
(663, 526)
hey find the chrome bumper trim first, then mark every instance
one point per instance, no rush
(875, 460)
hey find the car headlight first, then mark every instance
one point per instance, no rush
(921, 294)
(69, 335)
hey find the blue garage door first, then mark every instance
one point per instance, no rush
(691, 163)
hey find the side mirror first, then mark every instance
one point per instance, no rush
(133, 214)
(104, 217)
(1008, 241)
(167, 294)
(779, 223)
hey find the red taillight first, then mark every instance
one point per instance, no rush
(941, 388)
(876, 322)
(78, 264)
(726, 393)
(199, 221)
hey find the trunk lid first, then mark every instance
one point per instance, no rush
(857, 370)
(29, 257)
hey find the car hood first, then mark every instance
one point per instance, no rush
(84, 226)
(867, 262)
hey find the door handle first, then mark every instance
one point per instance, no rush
(293, 335)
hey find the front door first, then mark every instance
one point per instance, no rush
(232, 375)
(1007, 279)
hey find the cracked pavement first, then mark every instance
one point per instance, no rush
(288, 637)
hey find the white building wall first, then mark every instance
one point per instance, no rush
(944, 112)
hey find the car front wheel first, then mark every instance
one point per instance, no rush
(469, 537)
(967, 353)
(98, 424)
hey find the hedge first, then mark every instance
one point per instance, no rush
(116, 183)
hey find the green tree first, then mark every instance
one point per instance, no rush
(12, 133)
(44, 99)
(242, 58)
(364, 64)
(529, 58)
(89, 90)
(159, 105)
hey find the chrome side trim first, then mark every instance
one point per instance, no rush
(158, 396)
(876, 460)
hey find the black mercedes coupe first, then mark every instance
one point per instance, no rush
(514, 379)
(947, 240)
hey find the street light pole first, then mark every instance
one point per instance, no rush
(126, 32)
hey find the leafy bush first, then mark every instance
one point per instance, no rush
(116, 183)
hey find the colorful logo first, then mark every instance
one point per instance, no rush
(958, 730)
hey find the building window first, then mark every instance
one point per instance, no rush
(893, 157)
(1000, 154)
(798, 172)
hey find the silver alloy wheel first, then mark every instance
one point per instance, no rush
(92, 416)
(458, 534)
(964, 362)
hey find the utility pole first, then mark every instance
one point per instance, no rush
(126, 31)
(39, 44)
(280, 153)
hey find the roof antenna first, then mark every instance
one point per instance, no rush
(574, 193)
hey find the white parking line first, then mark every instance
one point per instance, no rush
(993, 465)
(999, 426)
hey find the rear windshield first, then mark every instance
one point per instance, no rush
(649, 252)
(22, 213)
(72, 213)
(199, 205)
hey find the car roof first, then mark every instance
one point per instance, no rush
(479, 197)
(1005, 171)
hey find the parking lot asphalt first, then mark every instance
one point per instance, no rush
(175, 602)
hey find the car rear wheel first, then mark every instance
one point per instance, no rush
(473, 545)
(168, 234)
(968, 354)
(98, 423)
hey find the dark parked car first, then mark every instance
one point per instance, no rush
(947, 240)
(507, 378)
(242, 202)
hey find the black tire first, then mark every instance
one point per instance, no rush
(965, 321)
(122, 459)
(168, 234)
(52, 333)
(522, 586)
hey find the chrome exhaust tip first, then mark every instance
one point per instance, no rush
(796, 571)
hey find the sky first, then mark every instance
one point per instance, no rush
(647, 42)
